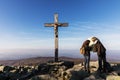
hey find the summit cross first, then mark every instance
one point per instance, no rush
(56, 24)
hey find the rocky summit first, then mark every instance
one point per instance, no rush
(62, 70)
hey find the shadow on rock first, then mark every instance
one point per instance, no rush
(78, 75)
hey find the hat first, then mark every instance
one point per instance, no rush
(94, 38)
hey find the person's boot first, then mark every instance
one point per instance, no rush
(104, 70)
(88, 71)
(85, 69)
(99, 70)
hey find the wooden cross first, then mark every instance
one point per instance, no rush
(56, 25)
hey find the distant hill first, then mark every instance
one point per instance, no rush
(36, 61)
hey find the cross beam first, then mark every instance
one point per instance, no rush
(56, 25)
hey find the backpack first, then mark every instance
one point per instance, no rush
(82, 50)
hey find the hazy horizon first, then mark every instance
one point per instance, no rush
(22, 54)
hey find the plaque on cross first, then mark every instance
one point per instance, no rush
(56, 24)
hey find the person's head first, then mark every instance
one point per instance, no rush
(94, 39)
(87, 42)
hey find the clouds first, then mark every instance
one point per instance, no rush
(28, 43)
(79, 31)
(111, 40)
(70, 37)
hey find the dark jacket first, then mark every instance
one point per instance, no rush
(99, 48)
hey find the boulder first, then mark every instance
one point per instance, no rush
(78, 75)
(108, 67)
(43, 68)
(8, 68)
(1, 68)
(68, 64)
(112, 77)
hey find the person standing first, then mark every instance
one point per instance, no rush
(101, 52)
(86, 55)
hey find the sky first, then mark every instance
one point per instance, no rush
(22, 24)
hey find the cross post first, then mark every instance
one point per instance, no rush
(56, 25)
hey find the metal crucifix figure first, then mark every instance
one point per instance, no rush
(56, 25)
